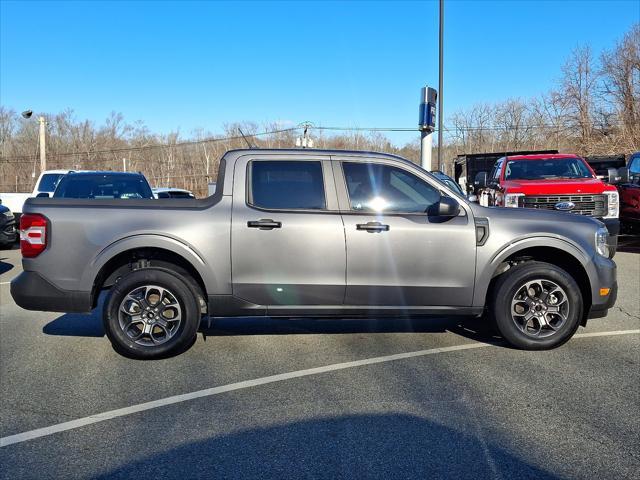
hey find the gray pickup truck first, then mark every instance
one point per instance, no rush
(312, 233)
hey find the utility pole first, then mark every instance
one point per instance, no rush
(305, 141)
(43, 148)
(124, 164)
(440, 111)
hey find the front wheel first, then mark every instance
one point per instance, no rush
(151, 313)
(536, 306)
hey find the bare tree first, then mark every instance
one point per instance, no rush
(620, 73)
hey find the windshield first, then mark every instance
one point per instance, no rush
(548, 168)
(448, 181)
(103, 186)
(49, 181)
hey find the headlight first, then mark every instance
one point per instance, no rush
(613, 204)
(511, 199)
(602, 234)
(8, 214)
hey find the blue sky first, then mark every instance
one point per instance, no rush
(201, 64)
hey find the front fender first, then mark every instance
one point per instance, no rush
(487, 267)
(145, 241)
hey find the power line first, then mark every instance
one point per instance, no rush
(454, 130)
(156, 146)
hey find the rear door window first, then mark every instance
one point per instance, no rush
(284, 185)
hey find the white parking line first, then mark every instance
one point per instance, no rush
(121, 412)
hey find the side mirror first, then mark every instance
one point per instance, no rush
(448, 207)
(623, 174)
(616, 176)
(42, 195)
(481, 180)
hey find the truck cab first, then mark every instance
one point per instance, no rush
(560, 182)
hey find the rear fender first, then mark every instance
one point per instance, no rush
(147, 241)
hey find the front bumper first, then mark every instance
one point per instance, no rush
(605, 277)
(32, 291)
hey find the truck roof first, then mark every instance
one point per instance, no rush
(313, 152)
(101, 172)
(547, 156)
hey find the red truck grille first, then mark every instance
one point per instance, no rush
(590, 205)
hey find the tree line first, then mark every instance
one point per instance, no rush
(594, 108)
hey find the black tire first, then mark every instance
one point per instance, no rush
(181, 292)
(510, 327)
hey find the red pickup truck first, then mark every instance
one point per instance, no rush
(552, 182)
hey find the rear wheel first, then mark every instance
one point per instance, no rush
(536, 306)
(152, 313)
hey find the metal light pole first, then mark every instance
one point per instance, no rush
(440, 111)
(43, 141)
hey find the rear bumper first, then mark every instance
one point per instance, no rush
(32, 291)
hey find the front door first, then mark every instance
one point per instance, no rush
(287, 239)
(399, 252)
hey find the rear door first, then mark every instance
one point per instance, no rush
(399, 253)
(287, 240)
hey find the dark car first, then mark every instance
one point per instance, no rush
(630, 196)
(8, 232)
(103, 185)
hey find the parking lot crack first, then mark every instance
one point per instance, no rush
(628, 314)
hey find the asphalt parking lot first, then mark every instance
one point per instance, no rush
(424, 398)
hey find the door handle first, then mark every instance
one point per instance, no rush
(372, 227)
(264, 224)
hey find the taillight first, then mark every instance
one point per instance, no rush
(33, 234)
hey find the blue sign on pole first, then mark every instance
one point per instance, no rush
(427, 120)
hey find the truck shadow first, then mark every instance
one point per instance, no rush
(389, 445)
(4, 266)
(90, 325)
(78, 324)
(468, 327)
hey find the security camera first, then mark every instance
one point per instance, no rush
(27, 114)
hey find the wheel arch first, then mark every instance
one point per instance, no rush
(127, 254)
(567, 257)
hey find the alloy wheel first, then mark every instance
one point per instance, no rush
(150, 315)
(539, 308)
